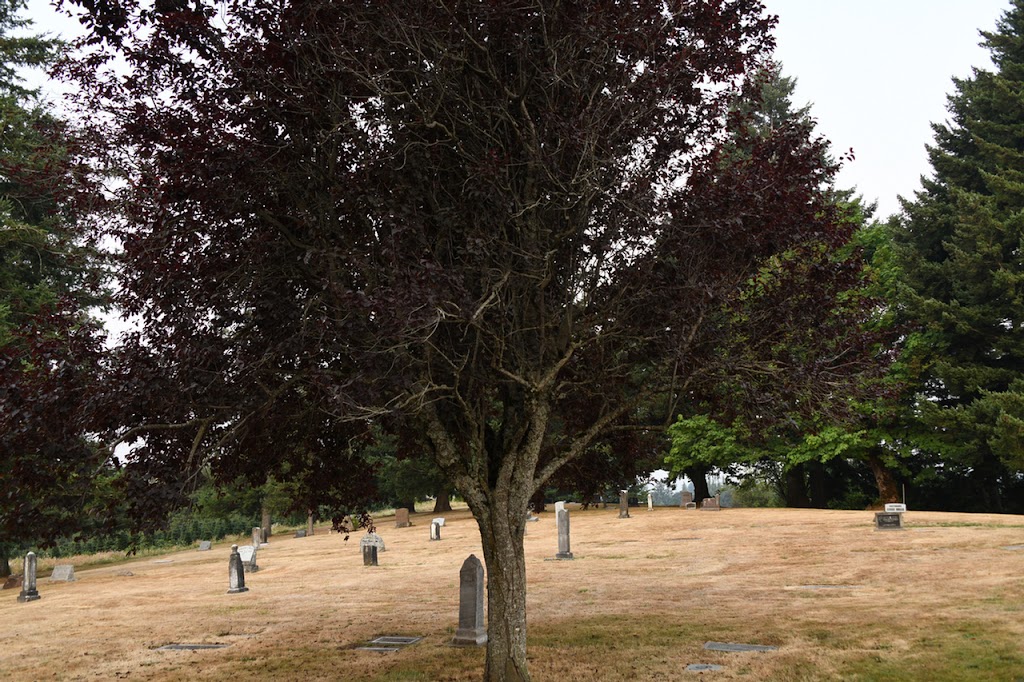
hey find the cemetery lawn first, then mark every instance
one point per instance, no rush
(942, 600)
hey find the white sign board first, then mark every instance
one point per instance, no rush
(895, 508)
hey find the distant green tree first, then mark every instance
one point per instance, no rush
(50, 345)
(962, 247)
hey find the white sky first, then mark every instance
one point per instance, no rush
(877, 73)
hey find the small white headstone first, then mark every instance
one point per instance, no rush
(64, 573)
(439, 521)
(559, 506)
(650, 502)
(247, 552)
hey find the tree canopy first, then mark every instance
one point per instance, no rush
(507, 224)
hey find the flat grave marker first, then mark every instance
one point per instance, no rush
(703, 667)
(733, 646)
(888, 521)
(191, 647)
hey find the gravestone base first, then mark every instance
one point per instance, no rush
(563, 556)
(30, 595)
(469, 638)
(236, 590)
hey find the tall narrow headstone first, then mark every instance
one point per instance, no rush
(623, 505)
(650, 502)
(28, 582)
(257, 536)
(309, 524)
(401, 518)
(435, 531)
(471, 630)
(369, 555)
(236, 572)
(562, 519)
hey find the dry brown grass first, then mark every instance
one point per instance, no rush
(940, 601)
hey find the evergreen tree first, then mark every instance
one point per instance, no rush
(963, 281)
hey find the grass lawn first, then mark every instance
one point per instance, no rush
(942, 600)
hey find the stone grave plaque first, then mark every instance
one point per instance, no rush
(205, 545)
(300, 533)
(703, 667)
(710, 504)
(63, 573)
(732, 646)
(191, 647)
(391, 640)
(402, 518)
(690, 505)
(1014, 548)
(888, 521)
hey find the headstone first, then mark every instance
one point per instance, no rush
(650, 502)
(12, 582)
(205, 545)
(439, 521)
(687, 499)
(300, 533)
(28, 582)
(257, 536)
(369, 555)
(895, 508)
(472, 631)
(733, 647)
(710, 504)
(236, 572)
(402, 518)
(435, 530)
(248, 554)
(63, 573)
(888, 521)
(690, 505)
(623, 505)
(374, 540)
(530, 517)
(559, 506)
(562, 519)
(309, 524)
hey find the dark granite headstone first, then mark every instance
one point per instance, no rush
(369, 555)
(300, 533)
(888, 521)
(472, 631)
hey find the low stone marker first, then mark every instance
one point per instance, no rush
(888, 521)
(372, 539)
(236, 572)
(623, 504)
(257, 536)
(205, 545)
(435, 530)
(531, 518)
(300, 533)
(710, 504)
(472, 631)
(192, 647)
(730, 646)
(248, 554)
(402, 518)
(562, 519)
(369, 555)
(28, 581)
(690, 505)
(63, 573)
(687, 498)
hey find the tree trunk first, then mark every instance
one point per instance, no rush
(796, 488)
(309, 522)
(699, 476)
(537, 501)
(816, 484)
(888, 490)
(501, 529)
(442, 501)
(5, 565)
(265, 525)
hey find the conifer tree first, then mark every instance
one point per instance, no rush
(963, 283)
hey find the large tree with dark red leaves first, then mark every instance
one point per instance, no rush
(509, 224)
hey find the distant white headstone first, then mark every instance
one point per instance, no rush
(559, 506)
(63, 573)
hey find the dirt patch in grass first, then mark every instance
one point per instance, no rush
(941, 600)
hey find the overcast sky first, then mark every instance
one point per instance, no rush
(877, 73)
